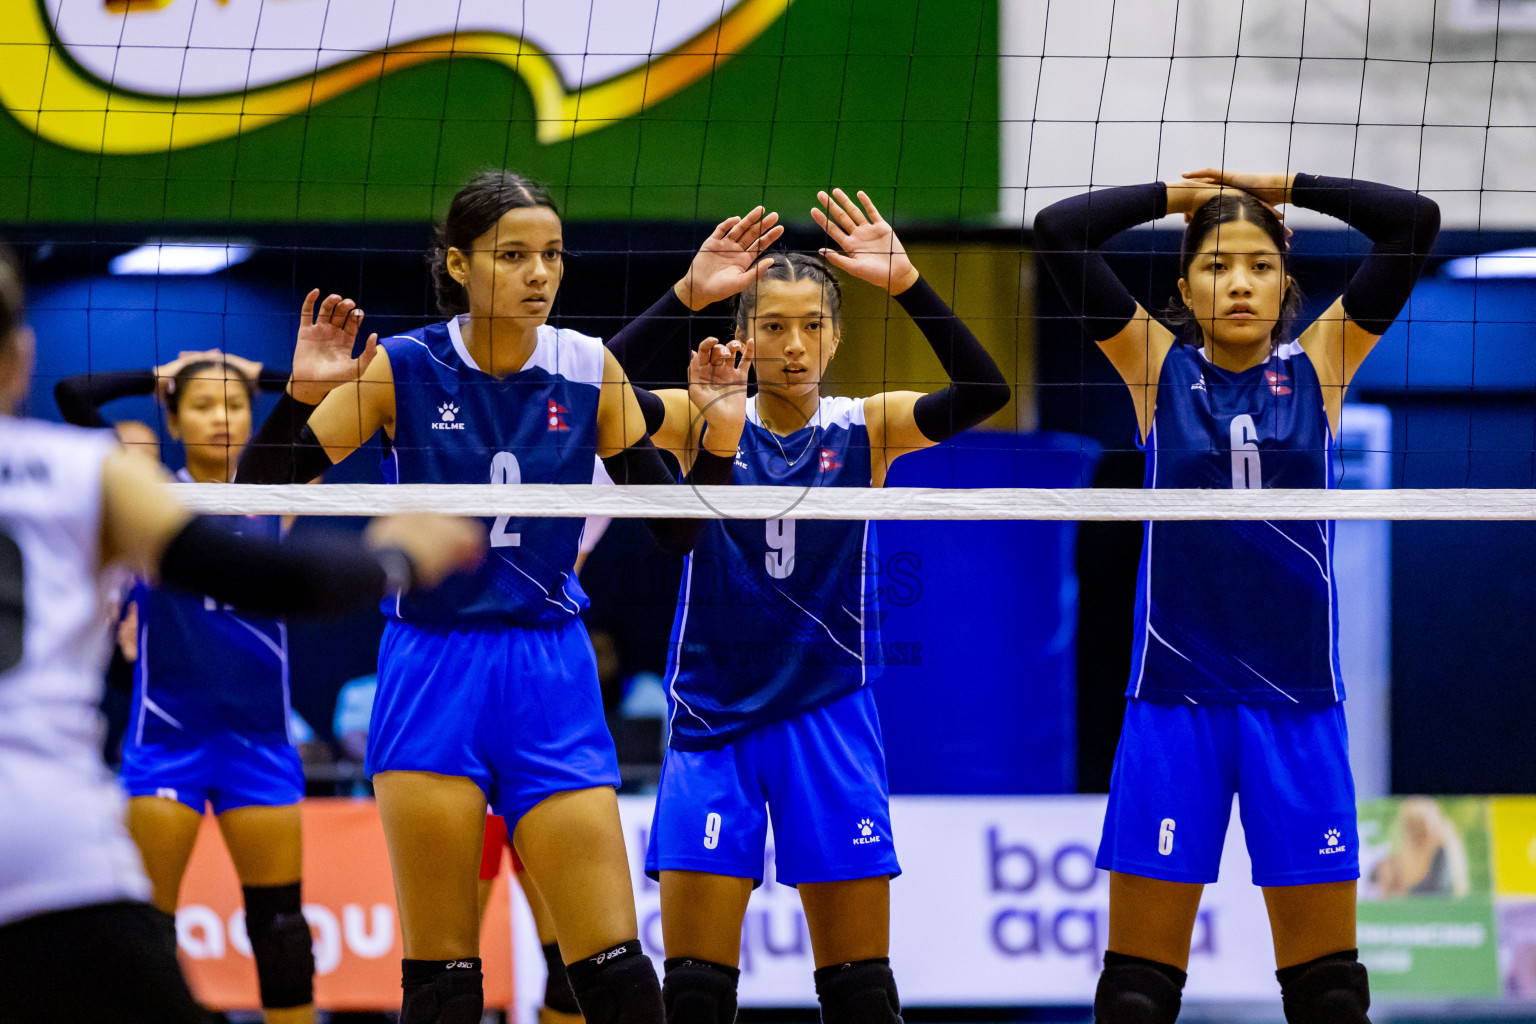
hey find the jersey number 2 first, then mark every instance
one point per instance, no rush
(505, 470)
(13, 603)
(780, 557)
(1245, 454)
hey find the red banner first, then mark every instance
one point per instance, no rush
(349, 900)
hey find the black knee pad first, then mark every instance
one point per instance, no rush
(1332, 989)
(617, 986)
(699, 991)
(281, 944)
(557, 984)
(442, 991)
(1133, 990)
(861, 992)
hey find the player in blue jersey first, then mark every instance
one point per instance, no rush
(777, 630)
(210, 707)
(488, 686)
(1235, 684)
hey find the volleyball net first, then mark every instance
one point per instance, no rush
(181, 172)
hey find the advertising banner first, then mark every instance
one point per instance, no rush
(1426, 902)
(349, 900)
(335, 110)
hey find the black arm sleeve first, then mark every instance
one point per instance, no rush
(978, 389)
(641, 347)
(1067, 236)
(1401, 224)
(285, 450)
(273, 379)
(641, 463)
(651, 408)
(81, 397)
(297, 577)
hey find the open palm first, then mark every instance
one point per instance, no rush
(871, 250)
(728, 262)
(322, 358)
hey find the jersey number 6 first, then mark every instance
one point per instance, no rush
(1245, 454)
(780, 557)
(505, 470)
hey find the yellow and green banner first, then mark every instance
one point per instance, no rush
(327, 110)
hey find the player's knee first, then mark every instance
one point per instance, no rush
(617, 986)
(699, 992)
(442, 991)
(1332, 989)
(862, 992)
(557, 984)
(281, 944)
(1133, 990)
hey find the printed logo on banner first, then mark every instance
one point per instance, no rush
(298, 58)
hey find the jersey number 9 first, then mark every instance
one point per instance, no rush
(505, 470)
(780, 557)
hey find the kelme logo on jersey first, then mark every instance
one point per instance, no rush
(829, 460)
(1331, 837)
(1278, 382)
(556, 414)
(448, 417)
(866, 833)
(1198, 385)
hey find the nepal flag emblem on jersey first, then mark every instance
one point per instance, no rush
(1279, 383)
(829, 460)
(556, 412)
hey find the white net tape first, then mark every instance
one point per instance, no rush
(857, 502)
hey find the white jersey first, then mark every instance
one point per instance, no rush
(62, 839)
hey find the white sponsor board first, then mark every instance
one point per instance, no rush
(999, 903)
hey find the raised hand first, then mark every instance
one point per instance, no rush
(727, 262)
(1274, 189)
(322, 358)
(717, 387)
(871, 250)
(165, 373)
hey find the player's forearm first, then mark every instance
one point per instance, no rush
(978, 387)
(81, 397)
(642, 345)
(285, 450)
(1068, 235)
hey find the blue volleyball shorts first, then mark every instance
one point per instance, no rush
(227, 770)
(517, 710)
(821, 776)
(1178, 767)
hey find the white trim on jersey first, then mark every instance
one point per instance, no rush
(831, 411)
(677, 656)
(1141, 670)
(576, 357)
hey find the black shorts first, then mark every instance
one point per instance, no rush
(108, 962)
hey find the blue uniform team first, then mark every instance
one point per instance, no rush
(1235, 688)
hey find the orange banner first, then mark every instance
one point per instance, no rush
(349, 900)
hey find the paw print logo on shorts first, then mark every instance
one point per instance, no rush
(1332, 835)
(866, 827)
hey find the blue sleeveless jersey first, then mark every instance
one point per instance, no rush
(777, 616)
(206, 669)
(1238, 611)
(455, 424)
